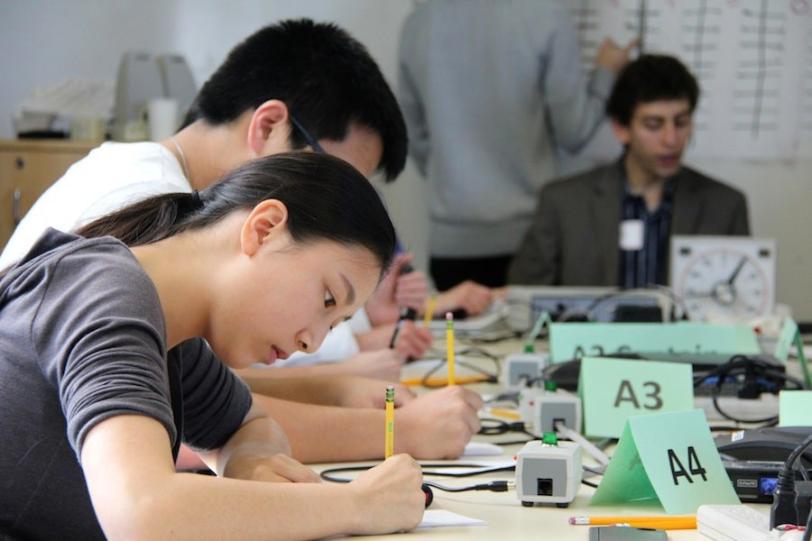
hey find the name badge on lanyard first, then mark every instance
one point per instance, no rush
(631, 235)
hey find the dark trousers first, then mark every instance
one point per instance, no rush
(489, 271)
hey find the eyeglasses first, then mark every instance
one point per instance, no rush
(309, 139)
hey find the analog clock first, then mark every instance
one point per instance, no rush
(724, 278)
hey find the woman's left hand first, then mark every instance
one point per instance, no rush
(278, 468)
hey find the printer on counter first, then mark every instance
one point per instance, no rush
(142, 77)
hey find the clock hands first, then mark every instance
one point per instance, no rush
(723, 291)
(736, 271)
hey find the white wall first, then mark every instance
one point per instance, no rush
(45, 41)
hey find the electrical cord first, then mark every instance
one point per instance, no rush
(433, 470)
(494, 337)
(594, 471)
(758, 376)
(530, 342)
(468, 350)
(526, 382)
(493, 486)
(589, 312)
(783, 509)
(497, 427)
(477, 469)
(720, 428)
(589, 447)
(471, 351)
(511, 397)
(679, 310)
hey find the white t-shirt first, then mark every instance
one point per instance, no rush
(111, 177)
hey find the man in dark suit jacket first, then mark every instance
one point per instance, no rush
(611, 226)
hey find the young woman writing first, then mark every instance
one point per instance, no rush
(105, 364)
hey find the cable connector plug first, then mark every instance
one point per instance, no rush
(497, 486)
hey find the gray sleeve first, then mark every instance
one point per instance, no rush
(538, 260)
(411, 103)
(575, 106)
(215, 401)
(100, 339)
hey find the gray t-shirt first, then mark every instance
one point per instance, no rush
(82, 339)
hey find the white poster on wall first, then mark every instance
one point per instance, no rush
(753, 60)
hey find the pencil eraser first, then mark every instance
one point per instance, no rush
(449, 316)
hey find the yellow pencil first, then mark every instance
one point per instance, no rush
(389, 442)
(513, 415)
(440, 381)
(663, 522)
(684, 524)
(449, 346)
(431, 302)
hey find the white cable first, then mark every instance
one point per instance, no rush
(591, 449)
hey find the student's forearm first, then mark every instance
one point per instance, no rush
(376, 338)
(137, 494)
(332, 434)
(231, 509)
(262, 437)
(310, 384)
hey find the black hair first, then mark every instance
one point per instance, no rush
(325, 76)
(326, 199)
(650, 78)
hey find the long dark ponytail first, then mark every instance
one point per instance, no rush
(325, 196)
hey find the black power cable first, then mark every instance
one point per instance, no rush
(473, 351)
(758, 376)
(783, 508)
(497, 427)
(477, 469)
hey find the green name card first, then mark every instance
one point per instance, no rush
(785, 340)
(795, 408)
(790, 335)
(576, 340)
(668, 458)
(612, 390)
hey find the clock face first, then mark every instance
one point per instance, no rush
(724, 279)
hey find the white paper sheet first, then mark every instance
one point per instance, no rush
(440, 518)
(753, 60)
(476, 448)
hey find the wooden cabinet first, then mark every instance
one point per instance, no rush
(28, 168)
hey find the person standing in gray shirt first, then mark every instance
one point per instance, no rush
(107, 361)
(488, 89)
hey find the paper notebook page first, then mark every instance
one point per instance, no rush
(479, 448)
(440, 518)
